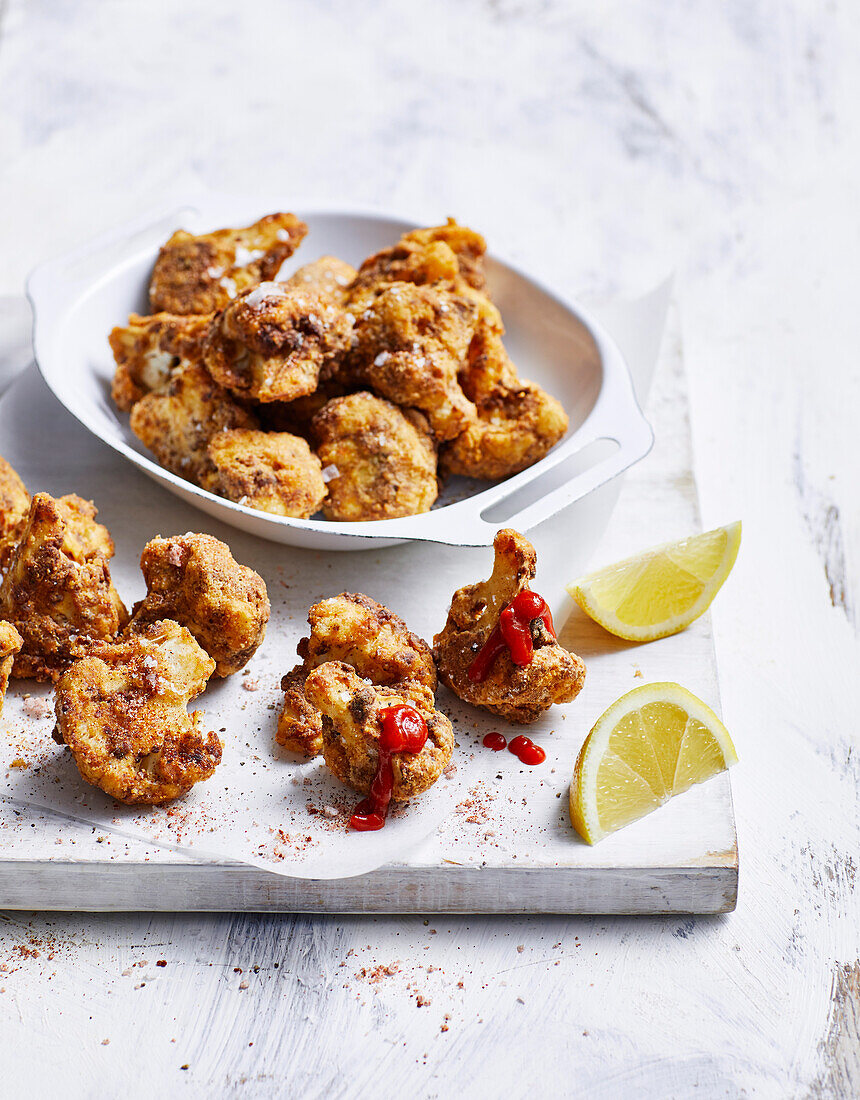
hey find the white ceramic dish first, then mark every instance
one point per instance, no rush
(78, 298)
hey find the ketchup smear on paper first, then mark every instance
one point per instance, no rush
(403, 730)
(512, 633)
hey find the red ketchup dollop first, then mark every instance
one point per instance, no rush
(512, 633)
(526, 750)
(403, 730)
(495, 741)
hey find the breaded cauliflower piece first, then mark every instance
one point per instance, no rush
(275, 472)
(351, 727)
(10, 645)
(177, 425)
(410, 345)
(201, 274)
(449, 253)
(57, 592)
(14, 505)
(195, 580)
(354, 629)
(149, 349)
(518, 693)
(299, 723)
(275, 342)
(121, 709)
(328, 275)
(517, 422)
(381, 459)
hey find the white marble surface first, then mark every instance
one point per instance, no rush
(604, 144)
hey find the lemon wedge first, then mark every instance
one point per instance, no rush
(662, 590)
(652, 743)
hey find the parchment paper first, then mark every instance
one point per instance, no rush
(263, 806)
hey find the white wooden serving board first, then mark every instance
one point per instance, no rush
(508, 847)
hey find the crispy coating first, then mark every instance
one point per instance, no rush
(149, 349)
(14, 506)
(203, 274)
(275, 342)
(58, 592)
(351, 728)
(520, 694)
(358, 631)
(299, 723)
(328, 276)
(177, 425)
(517, 422)
(274, 471)
(449, 253)
(10, 645)
(195, 580)
(410, 345)
(121, 709)
(382, 459)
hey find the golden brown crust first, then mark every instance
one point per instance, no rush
(122, 711)
(58, 592)
(517, 422)
(328, 275)
(177, 425)
(275, 472)
(201, 274)
(449, 253)
(275, 342)
(10, 645)
(14, 505)
(355, 629)
(299, 723)
(410, 344)
(381, 459)
(520, 694)
(351, 725)
(149, 349)
(358, 631)
(195, 580)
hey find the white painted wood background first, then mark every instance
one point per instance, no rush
(604, 144)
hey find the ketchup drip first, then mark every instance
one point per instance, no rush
(512, 633)
(495, 741)
(403, 730)
(526, 750)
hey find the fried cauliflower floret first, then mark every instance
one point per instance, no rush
(299, 723)
(381, 459)
(121, 709)
(275, 472)
(410, 345)
(517, 422)
(201, 274)
(351, 727)
(358, 631)
(10, 645)
(275, 342)
(518, 693)
(448, 253)
(328, 276)
(149, 349)
(195, 580)
(57, 592)
(177, 425)
(14, 506)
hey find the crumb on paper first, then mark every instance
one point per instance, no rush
(37, 708)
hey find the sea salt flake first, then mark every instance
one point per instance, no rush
(265, 292)
(383, 357)
(245, 256)
(230, 286)
(329, 473)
